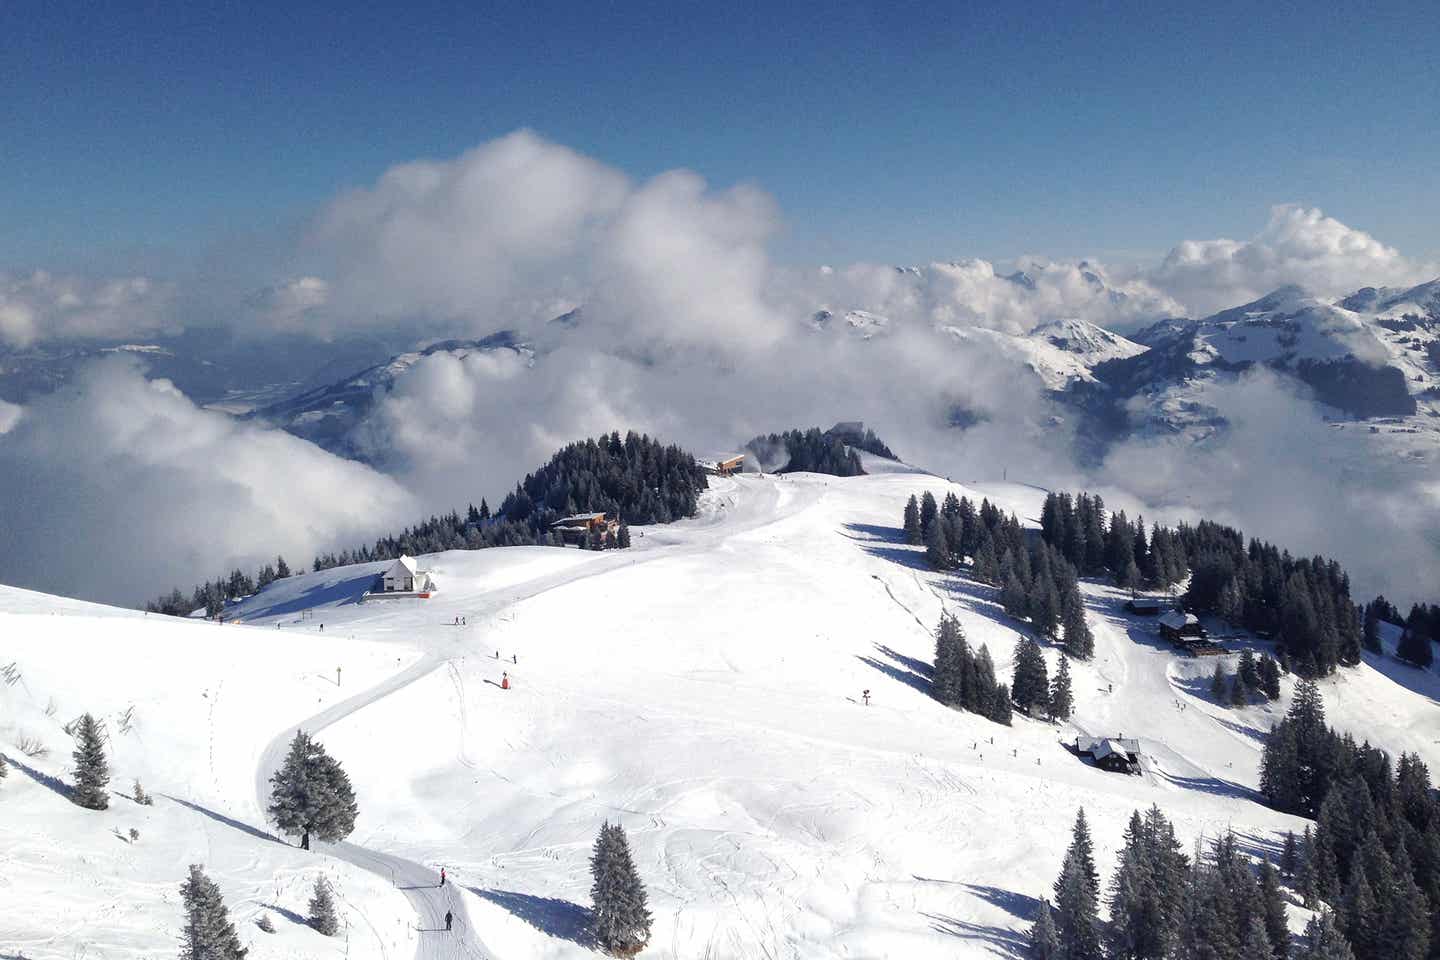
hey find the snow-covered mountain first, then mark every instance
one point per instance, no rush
(1371, 355)
(327, 415)
(771, 812)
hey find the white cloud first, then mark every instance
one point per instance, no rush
(41, 306)
(1297, 246)
(1278, 471)
(118, 486)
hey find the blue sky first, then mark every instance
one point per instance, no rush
(141, 135)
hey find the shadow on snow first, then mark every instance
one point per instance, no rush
(556, 918)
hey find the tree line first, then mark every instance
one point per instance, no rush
(637, 479)
(1164, 904)
(1375, 851)
(806, 451)
(1418, 631)
(1302, 601)
(1037, 582)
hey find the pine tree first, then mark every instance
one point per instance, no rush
(1307, 878)
(929, 510)
(937, 548)
(311, 794)
(1238, 697)
(947, 678)
(622, 536)
(1414, 646)
(1077, 894)
(1044, 939)
(4, 767)
(1323, 940)
(1061, 700)
(1000, 710)
(1288, 857)
(1255, 944)
(92, 771)
(1219, 683)
(208, 933)
(1272, 907)
(1370, 634)
(1079, 642)
(912, 521)
(322, 909)
(282, 569)
(1031, 686)
(620, 922)
(1269, 672)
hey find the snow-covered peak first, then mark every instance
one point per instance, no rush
(1088, 341)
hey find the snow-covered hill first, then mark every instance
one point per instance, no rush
(327, 415)
(702, 688)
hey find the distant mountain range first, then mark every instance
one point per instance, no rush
(1372, 356)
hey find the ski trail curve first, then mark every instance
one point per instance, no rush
(417, 881)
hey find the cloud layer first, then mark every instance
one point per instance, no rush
(43, 306)
(686, 330)
(117, 487)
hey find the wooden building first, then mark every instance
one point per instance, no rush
(722, 465)
(1115, 754)
(577, 528)
(1145, 606)
(1177, 626)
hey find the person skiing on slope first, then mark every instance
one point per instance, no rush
(504, 681)
(449, 919)
(442, 876)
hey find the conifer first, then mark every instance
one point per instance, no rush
(911, 524)
(311, 794)
(1077, 894)
(1044, 939)
(1061, 700)
(620, 922)
(208, 933)
(92, 771)
(322, 909)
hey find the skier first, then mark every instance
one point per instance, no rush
(449, 919)
(865, 695)
(504, 681)
(442, 876)
(514, 658)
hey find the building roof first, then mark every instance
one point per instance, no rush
(1101, 747)
(578, 519)
(1147, 603)
(1177, 619)
(715, 461)
(408, 563)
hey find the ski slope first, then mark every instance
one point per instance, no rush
(702, 688)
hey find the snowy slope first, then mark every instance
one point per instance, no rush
(703, 689)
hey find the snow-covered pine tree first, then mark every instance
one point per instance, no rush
(1077, 895)
(1238, 697)
(282, 569)
(1044, 940)
(322, 909)
(1323, 940)
(92, 771)
(1061, 700)
(265, 923)
(622, 536)
(619, 920)
(911, 522)
(1269, 672)
(311, 794)
(1248, 670)
(208, 933)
